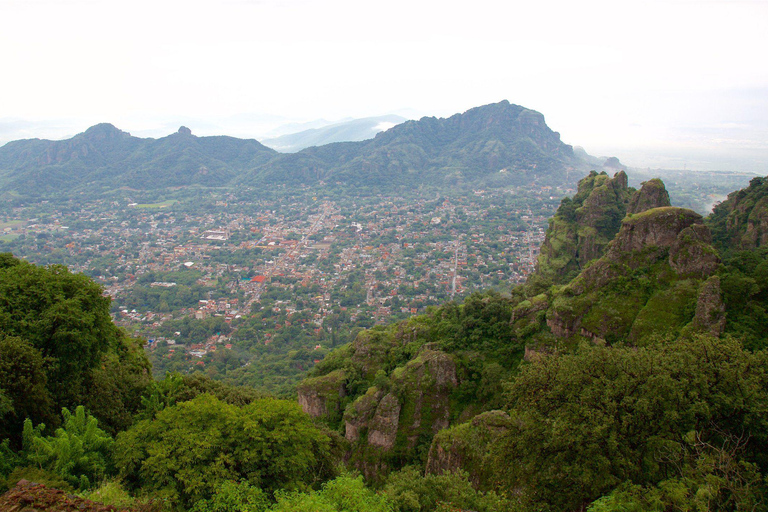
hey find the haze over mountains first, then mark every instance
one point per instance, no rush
(346, 131)
(494, 144)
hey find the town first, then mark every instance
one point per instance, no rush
(227, 284)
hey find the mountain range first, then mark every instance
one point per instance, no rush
(494, 144)
(346, 131)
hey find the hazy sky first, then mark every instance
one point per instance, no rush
(686, 79)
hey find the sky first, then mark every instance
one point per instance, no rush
(678, 83)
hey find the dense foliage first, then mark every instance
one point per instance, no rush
(639, 384)
(61, 349)
(586, 423)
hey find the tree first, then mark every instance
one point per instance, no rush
(61, 349)
(588, 422)
(187, 451)
(344, 493)
(79, 452)
(411, 491)
(23, 386)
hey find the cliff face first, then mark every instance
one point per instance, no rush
(322, 396)
(393, 395)
(741, 221)
(466, 447)
(652, 194)
(383, 427)
(646, 284)
(582, 227)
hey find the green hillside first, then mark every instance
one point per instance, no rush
(629, 373)
(496, 144)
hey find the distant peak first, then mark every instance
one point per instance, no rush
(183, 130)
(102, 131)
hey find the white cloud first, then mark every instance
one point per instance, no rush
(604, 73)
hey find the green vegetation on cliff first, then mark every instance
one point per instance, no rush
(632, 377)
(623, 379)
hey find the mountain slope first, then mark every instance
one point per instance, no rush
(104, 156)
(497, 144)
(639, 272)
(741, 221)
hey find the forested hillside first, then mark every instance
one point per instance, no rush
(629, 373)
(494, 144)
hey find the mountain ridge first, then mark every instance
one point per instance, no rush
(500, 143)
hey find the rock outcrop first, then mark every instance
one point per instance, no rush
(741, 221)
(692, 253)
(582, 227)
(321, 396)
(381, 425)
(384, 424)
(644, 286)
(659, 227)
(31, 497)
(652, 194)
(466, 446)
(710, 309)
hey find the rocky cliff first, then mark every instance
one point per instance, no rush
(741, 221)
(582, 227)
(466, 446)
(646, 284)
(423, 391)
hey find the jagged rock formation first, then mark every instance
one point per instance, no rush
(741, 221)
(395, 393)
(650, 271)
(710, 309)
(32, 497)
(466, 446)
(582, 227)
(322, 396)
(652, 194)
(657, 278)
(383, 425)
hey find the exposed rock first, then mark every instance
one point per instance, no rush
(321, 396)
(741, 221)
(592, 308)
(710, 309)
(692, 253)
(583, 226)
(653, 228)
(651, 195)
(426, 384)
(371, 351)
(466, 446)
(613, 163)
(383, 429)
(31, 497)
(360, 413)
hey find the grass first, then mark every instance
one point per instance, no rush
(9, 237)
(164, 204)
(10, 224)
